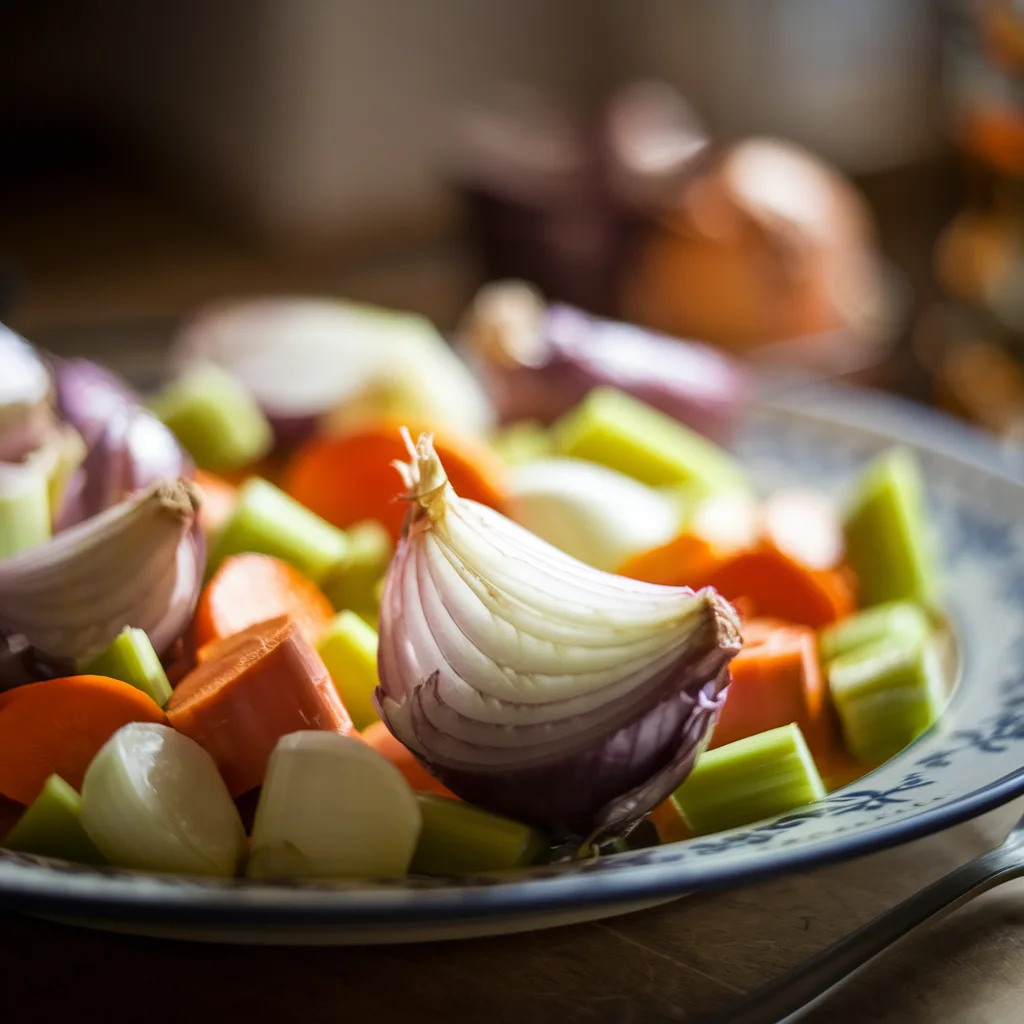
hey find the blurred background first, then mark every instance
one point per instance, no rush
(621, 154)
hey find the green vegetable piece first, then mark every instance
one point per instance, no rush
(350, 584)
(52, 826)
(459, 839)
(521, 442)
(131, 659)
(215, 418)
(748, 780)
(886, 695)
(896, 620)
(888, 540)
(349, 650)
(24, 508)
(268, 521)
(617, 430)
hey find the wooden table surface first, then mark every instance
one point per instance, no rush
(673, 963)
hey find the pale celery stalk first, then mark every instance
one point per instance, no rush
(896, 620)
(886, 695)
(753, 778)
(350, 584)
(268, 521)
(523, 442)
(619, 431)
(52, 826)
(24, 508)
(131, 659)
(215, 418)
(349, 649)
(459, 839)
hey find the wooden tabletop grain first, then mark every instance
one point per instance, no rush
(674, 963)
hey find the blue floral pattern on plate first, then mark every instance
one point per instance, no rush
(970, 762)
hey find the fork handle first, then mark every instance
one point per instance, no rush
(796, 991)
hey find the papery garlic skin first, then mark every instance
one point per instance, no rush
(532, 684)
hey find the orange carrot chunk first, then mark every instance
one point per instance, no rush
(218, 501)
(251, 588)
(379, 737)
(684, 558)
(261, 685)
(349, 477)
(58, 726)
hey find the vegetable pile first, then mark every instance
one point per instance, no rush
(333, 604)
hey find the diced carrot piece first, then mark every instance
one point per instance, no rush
(380, 738)
(684, 558)
(261, 685)
(218, 501)
(669, 822)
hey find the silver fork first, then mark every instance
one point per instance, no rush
(792, 994)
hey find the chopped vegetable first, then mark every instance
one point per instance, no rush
(351, 584)
(669, 823)
(57, 726)
(265, 683)
(887, 694)
(349, 478)
(267, 521)
(591, 512)
(332, 808)
(131, 659)
(248, 589)
(457, 839)
(806, 526)
(748, 780)
(349, 649)
(59, 458)
(380, 737)
(24, 508)
(487, 633)
(523, 442)
(622, 433)
(215, 418)
(896, 619)
(152, 799)
(888, 540)
(52, 826)
(219, 498)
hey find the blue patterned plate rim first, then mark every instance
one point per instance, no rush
(75, 891)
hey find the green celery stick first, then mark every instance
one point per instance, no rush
(131, 659)
(52, 826)
(886, 695)
(350, 584)
(888, 539)
(617, 430)
(459, 839)
(24, 508)
(521, 442)
(268, 521)
(894, 619)
(748, 780)
(215, 418)
(349, 650)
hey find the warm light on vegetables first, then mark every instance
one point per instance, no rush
(131, 659)
(349, 649)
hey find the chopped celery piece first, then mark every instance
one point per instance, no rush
(619, 431)
(895, 619)
(521, 442)
(886, 695)
(349, 650)
(131, 659)
(52, 826)
(268, 521)
(215, 418)
(753, 778)
(888, 539)
(351, 583)
(459, 839)
(24, 508)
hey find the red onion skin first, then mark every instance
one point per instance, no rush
(690, 382)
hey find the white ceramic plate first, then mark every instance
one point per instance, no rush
(971, 762)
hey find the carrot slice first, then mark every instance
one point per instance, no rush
(251, 588)
(59, 726)
(380, 738)
(349, 477)
(684, 558)
(218, 501)
(263, 684)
